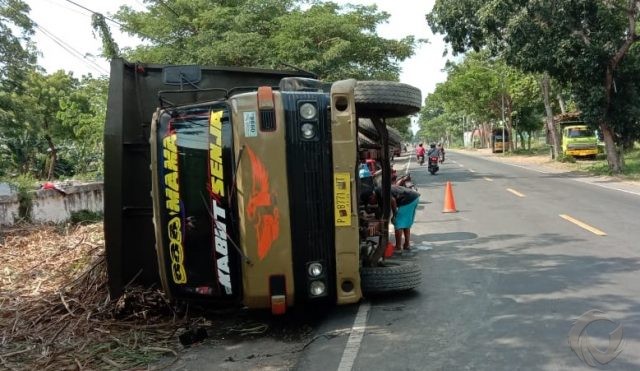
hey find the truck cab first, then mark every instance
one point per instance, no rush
(579, 140)
(240, 186)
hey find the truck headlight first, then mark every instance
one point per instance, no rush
(308, 111)
(317, 288)
(315, 270)
(308, 130)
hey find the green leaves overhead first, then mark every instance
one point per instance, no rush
(331, 41)
(473, 95)
(587, 45)
(16, 54)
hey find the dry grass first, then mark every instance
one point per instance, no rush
(56, 313)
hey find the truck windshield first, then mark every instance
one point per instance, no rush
(579, 133)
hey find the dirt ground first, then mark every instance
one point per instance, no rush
(56, 314)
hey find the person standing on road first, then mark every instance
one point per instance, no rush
(404, 202)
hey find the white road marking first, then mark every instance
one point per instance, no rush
(488, 179)
(406, 170)
(586, 181)
(471, 170)
(355, 338)
(460, 165)
(607, 187)
(515, 192)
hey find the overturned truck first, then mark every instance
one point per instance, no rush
(240, 186)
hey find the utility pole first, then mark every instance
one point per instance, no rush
(502, 112)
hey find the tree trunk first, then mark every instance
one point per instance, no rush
(521, 135)
(529, 140)
(563, 108)
(509, 124)
(486, 140)
(613, 156)
(549, 115)
(53, 156)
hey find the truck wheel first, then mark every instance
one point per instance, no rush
(386, 99)
(364, 142)
(366, 127)
(392, 276)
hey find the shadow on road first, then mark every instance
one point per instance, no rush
(508, 301)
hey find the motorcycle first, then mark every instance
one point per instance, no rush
(420, 159)
(432, 166)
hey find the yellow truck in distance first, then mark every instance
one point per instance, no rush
(578, 140)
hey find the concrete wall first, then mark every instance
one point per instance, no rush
(53, 206)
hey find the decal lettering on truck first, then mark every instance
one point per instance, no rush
(172, 194)
(217, 192)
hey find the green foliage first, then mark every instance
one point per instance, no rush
(85, 217)
(403, 125)
(55, 127)
(24, 185)
(16, 54)
(334, 42)
(110, 49)
(566, 158)
(588, 45)
(473, 94)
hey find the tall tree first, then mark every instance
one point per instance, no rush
(479, 89)
(16, 52)
(586, 44)
(332, 41)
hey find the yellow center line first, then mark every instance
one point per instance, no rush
(488, 179)
(583, 225)
(515, 192)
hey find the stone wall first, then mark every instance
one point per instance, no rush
(52, 205)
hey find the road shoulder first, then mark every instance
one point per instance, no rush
(543, 164)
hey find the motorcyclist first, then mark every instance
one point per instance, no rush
(433, 151)
(420, 153)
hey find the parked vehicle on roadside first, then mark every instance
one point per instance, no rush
(578, 140)
(500, 141)
(252, 194)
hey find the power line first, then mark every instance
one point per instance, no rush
(168, 7)
(71, 50)
(94, 12)
(123, 26)
(129, 29)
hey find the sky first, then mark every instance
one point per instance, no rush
(66, 40)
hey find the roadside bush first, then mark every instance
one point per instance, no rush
(85, 217)
(24, 185)
(566, 158)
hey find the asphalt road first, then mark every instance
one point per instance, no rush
(507, 279)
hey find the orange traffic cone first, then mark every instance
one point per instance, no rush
(449, 202)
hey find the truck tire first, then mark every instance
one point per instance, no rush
(386, 99)
(364, 142)
(392, 276)
(366, 127)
